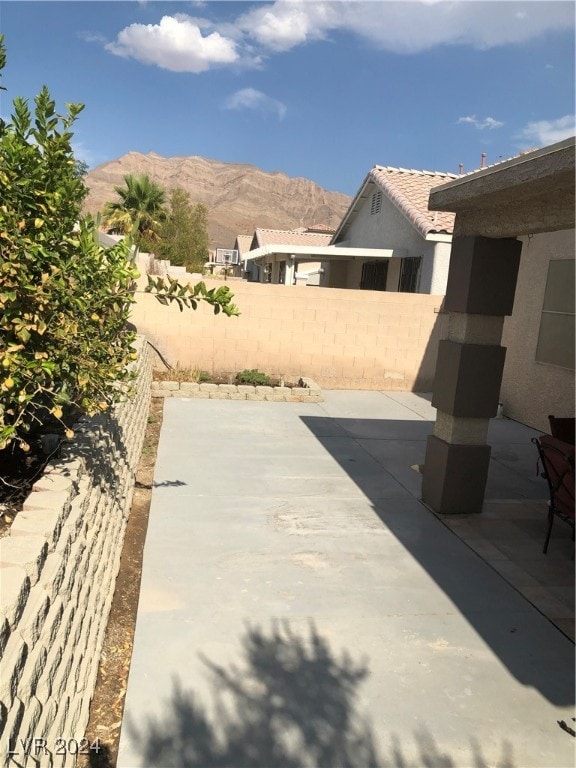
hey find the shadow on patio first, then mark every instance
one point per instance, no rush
(379, 455)
(290, 702)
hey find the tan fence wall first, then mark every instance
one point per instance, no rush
(343, 339)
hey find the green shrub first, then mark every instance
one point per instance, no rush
(253, 376)
(64, 299)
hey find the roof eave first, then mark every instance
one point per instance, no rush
(525, 170)
(351, 208)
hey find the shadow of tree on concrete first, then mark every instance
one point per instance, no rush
(292, 704)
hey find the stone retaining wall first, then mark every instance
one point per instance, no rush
(58, 571)
(307, 392)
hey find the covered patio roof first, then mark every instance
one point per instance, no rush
(528, 194)
(322, 253)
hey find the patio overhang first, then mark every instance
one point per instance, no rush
(529, 194)
(323, 253)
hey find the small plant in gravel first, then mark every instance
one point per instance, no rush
(193, 375)
(179, 374)
(253, 376)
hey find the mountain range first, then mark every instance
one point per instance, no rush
(239, 197)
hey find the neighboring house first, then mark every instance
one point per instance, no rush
(390, 211)
(304, 256)
(242, 245)
(387, 241)
(288, 257)
(511, 280)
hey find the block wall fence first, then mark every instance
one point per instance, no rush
(343, 339)
(58, 568)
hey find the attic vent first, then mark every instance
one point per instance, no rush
(376, 203)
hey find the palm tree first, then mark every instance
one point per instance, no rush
(141, 207)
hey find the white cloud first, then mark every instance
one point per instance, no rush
(544, 132)
(487, 122)
(176, 43)
(92, 37)
(250, 98)
(183, 43)
(405, 27)
(284, 25)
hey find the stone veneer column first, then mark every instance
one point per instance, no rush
(480, 292)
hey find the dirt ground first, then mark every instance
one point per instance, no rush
(108, 702)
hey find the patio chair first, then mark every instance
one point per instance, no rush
(562, 428)
(557, 460)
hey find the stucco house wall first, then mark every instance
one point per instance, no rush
(368, 230)
(433, 274)
(336, 274)
(391, 229)
(532, 390)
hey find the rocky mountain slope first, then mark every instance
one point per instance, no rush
(239, 197)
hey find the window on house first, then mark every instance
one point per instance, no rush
(374, 276)
(410, 274)
(556, 336)
(376, 203)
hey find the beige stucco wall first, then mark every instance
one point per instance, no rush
(387, 229)
(343, 339)
(532, 390)
(391, 229)
(336, 274)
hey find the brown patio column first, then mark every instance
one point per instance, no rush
(480, 292)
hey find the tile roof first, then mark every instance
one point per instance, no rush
(243, 242)
(500, 161)
(409, 190)
(290, 237)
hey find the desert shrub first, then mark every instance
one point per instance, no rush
(253, 376)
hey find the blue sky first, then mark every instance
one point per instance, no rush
(323, 90)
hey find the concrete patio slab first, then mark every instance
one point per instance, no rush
(300, 606)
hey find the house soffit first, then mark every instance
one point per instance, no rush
(546, 174)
